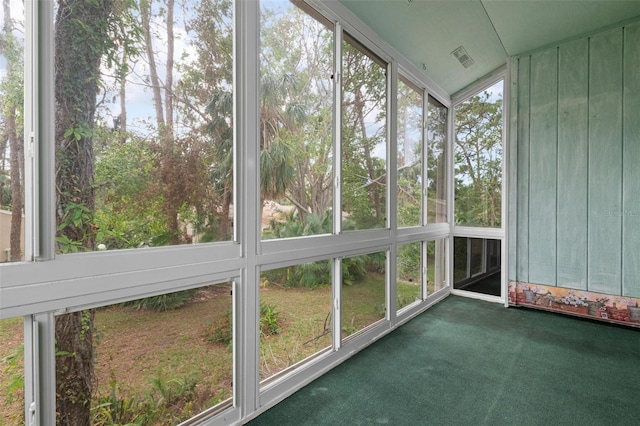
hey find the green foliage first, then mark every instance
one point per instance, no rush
(79, 217)
(409, 265)
(478, 161)
(163, 302)
(128, 215)
(269, 319)
(111, 410)
(353, 269)
(15, 372)
(221, 330)
(167, 402)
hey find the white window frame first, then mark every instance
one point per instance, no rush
(46, 284)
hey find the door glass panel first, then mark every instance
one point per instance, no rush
(476, 256)
(477, 265)
(460, 259)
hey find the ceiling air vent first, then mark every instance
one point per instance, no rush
(462, 56)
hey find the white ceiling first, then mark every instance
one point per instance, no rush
(427, 31)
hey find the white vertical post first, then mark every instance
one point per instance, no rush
(247, 142)
(337, 300)
(30, 128)
(39, 370)
(337, 129)
(392, 192)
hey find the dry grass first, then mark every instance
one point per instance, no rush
(138, 349)
(11, 404)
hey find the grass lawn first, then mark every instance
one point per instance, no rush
(11, 367)
(161, 365)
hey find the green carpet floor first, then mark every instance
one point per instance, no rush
(469, 362)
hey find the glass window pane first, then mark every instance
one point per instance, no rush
(436, 161)
(436, 265)
(296, 124)
(363, 291)
(295, 315)
(478, 159)
(144, 139)
(11, 371)
(163, 359)
(12, 132)
(364, 139)
(460, 259)
(409, 274)
(477, 265)
(410, 119)
(476, 251)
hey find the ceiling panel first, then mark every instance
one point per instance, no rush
(526, 25)
(427, 31)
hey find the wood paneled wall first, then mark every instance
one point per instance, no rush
(575, 190)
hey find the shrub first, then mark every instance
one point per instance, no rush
(221, 330)
(269, 319)
(163, 302)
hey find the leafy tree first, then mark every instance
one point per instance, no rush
(296, 113)
(205, 99)
(364, 129)
(478, 157)
(410, 119)
(128, 214)
(436, 161)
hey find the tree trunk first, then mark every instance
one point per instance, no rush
(375, 196)
(16, 146)
(81, 40)
(17, 191)
(169, 176)
(122, 128)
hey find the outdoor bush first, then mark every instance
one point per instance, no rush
(168, 402)
(269, 319)
(163, 302)
(221, 330)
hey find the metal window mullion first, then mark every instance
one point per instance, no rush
(30, 119)
(425, 157)
(425, 276)
(392, 190)
(337, 129)
(336, 265)
(392, 146)
(336, 270)
(39, 132)
(246, 124)
(39, 372)
(450, 161)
